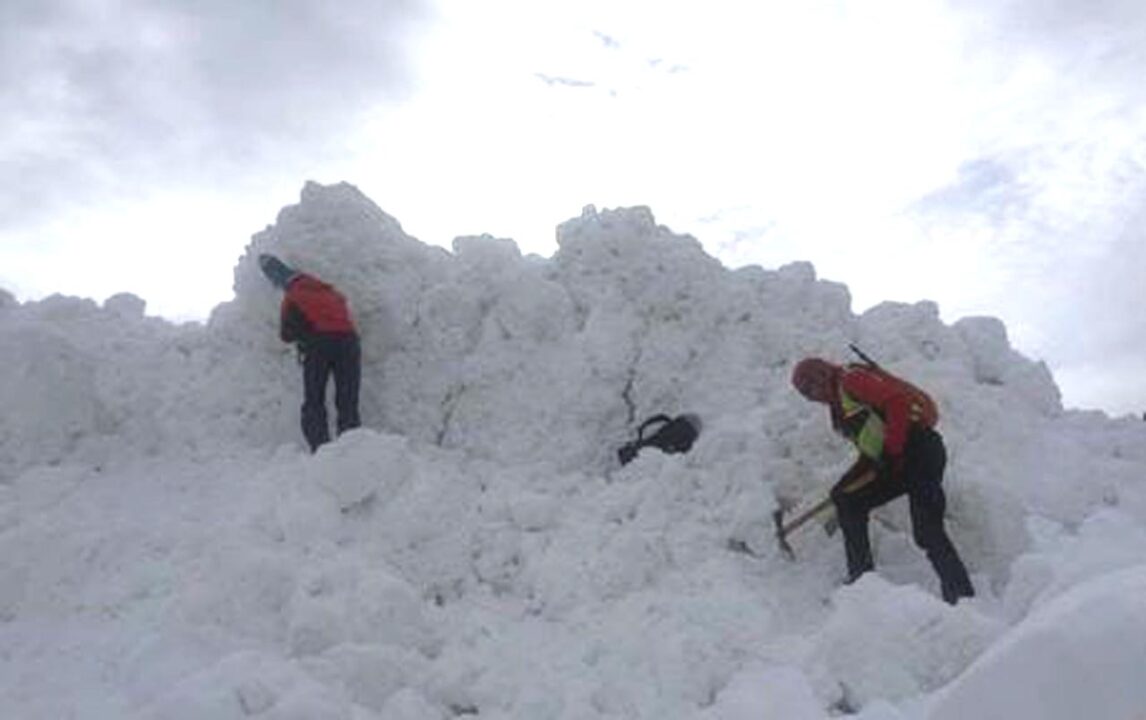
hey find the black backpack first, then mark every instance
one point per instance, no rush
(675, 435)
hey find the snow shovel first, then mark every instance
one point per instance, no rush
(784, 529)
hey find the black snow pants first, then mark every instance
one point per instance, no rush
(925, 459)
(326, 355)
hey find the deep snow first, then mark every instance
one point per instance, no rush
(169, 550)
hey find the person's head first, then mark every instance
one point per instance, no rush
(278, 272)
(814, 378)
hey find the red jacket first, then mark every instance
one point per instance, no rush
(312, 307)
(899, 403)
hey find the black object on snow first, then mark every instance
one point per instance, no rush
(675, 435)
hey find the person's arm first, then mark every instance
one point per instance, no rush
(862, 472)
(293, 326)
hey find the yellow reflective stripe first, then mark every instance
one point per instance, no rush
(869, 439)
(849, 405)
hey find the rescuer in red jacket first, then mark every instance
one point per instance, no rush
(891, 423)
(316, 317)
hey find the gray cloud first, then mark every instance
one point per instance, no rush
(552, 80)
(1065, 229)
(987, 186)
(1095, 41)
(607, 40)
(1100, 341)
(92, 100)
(1105, 292)
(1061, 196)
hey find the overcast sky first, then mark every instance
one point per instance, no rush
(985, 155)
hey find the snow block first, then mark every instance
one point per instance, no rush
(1082, 655)
(361, 464)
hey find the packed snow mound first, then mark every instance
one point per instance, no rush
(525, 359)
(475, 548)
(1079, 656)
(510, 357)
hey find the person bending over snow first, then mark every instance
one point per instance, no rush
(316, 317)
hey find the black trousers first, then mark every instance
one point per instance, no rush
(326, 355)
(925, 459)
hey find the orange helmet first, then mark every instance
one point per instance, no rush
(813, 377)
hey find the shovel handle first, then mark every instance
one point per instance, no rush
(805, 516)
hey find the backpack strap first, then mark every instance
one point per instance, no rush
(654, 419)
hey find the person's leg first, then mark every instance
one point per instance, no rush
(315, 373)
(853, 509)
(347, 377)
(924, 462)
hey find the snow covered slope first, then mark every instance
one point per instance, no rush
(168, 549)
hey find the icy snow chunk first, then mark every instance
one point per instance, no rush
(1079, 656)
(994, 362)
(759, 692)
(986, 338)
(41, 488)
(125, 305)
(896, 642)
(1107, 541)
(533, 511)
(530, 308)
(315, 627)
(360, 464)
(357, 602)
(634, 222)
(486, 254)
(247, 592)
(820, 305)
(337, 204)
(801, 271)
(449, 318)
(409, 704)
(249, 684)
(371, 674)
(905, 331)
(49, 387)
(880, 710)
(624, 254)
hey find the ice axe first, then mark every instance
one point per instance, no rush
(783, 530)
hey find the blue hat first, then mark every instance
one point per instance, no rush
(278, 272)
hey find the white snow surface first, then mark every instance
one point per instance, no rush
(169, 550)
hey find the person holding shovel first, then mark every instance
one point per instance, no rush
(892, 425)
